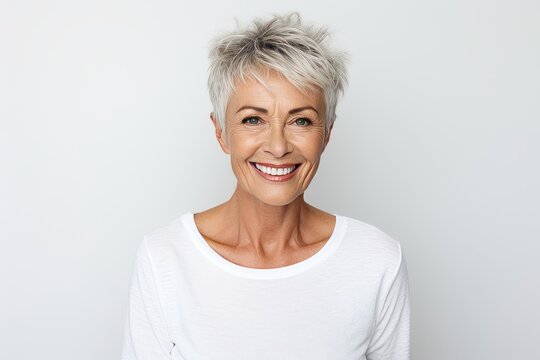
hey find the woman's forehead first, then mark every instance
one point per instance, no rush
(270, 88)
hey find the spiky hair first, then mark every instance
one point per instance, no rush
(282, 43)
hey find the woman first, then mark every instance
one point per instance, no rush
(265, 275)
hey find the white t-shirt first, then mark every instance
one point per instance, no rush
(350, 300)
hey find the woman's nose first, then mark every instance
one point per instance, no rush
(277, 143)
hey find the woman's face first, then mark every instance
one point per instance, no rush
(277, 127)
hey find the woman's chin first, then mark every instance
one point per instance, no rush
(277, 202)
(279, 197)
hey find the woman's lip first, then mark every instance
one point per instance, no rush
(274, 165)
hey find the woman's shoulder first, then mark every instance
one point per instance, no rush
(371, 242)
(171, 235)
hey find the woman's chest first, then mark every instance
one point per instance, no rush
(302, 318)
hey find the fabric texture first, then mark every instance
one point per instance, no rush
(350, 300)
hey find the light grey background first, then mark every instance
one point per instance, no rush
(105, 135)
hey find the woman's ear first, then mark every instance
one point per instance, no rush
(327, 136)
(219, 134)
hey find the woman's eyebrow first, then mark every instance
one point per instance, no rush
(264, 111)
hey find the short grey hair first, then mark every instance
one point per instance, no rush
(283, 43)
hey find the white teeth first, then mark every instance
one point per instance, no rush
(274, 171)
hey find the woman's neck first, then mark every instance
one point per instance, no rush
(267, 228)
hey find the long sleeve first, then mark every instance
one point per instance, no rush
(391, 339)
(146, 336)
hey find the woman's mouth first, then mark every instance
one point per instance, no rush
(277, 174)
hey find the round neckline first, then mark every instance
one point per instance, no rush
(272, 273)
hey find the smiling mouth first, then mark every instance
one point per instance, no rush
(275, 171)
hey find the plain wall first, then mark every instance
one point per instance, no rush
(105, 135)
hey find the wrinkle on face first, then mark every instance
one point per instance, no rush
(277, 102)
(279, 134)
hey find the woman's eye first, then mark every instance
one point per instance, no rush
(303, 121)
(252, 120)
